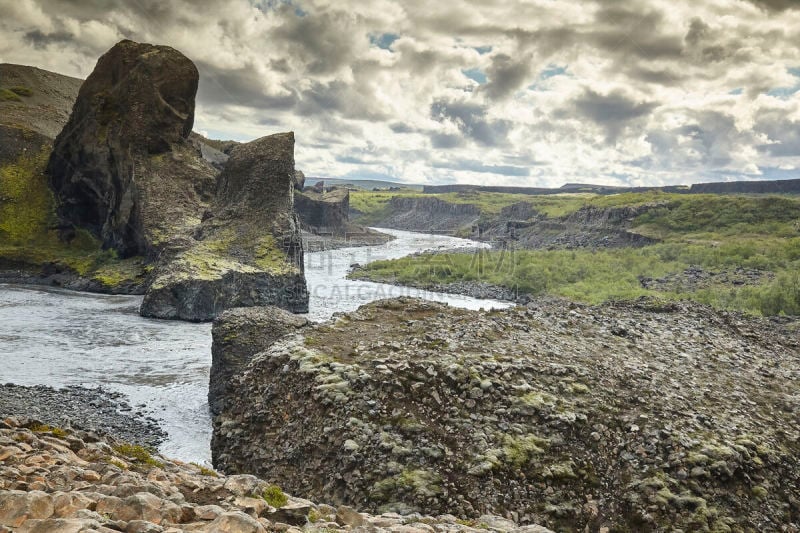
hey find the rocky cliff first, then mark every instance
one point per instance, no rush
(214, 221)
(123, 161)
(428, 214)
(588, 227)
(633, 417)
(247, 251)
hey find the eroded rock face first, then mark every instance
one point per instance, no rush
(636, 416)
(326, 212)
(239, 334)
(122, 167)
(248, 250)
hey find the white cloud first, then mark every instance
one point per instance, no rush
(641, 92)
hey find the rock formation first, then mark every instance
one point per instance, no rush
(239, 334)
(657, 415)
(247, 251)
(122, 166)
(57, 480)
(299, 180)
(326, 212)
(125, 169)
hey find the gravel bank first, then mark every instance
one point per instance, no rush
(81, 408)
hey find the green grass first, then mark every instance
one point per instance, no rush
(140, 454)
(275, 497)
(711, 231)
(7, 95)
(27, 227)
(21, 91)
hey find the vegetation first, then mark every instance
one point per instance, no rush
(275, 497)
(140, 454)
(710, 231)
(205, 471)
(21, 91)
(7, 95)
(28, 220)
(54, 431)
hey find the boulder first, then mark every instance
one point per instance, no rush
(299, 180)
(248, 250)
(239, 334)
(326, 212)
(122, 166)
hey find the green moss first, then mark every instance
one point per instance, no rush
(519, 450)
(21, 91)
(275, 497)
(760, 492)
(419, 482)
(204, 471)
(54, 431)
(140, 454)
(7, 95)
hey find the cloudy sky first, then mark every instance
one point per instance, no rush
(511, 92)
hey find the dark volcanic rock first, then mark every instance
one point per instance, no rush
(326, 212)
(299, 180)
(638, 416)
(122, 162)
(238, 335)
(248, 250)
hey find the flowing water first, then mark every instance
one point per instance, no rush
(56, 337)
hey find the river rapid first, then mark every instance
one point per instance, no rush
(56, 337)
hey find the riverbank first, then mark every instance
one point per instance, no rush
(81, 408)
(56, 480)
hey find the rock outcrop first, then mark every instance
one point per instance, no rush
(213, 220)
(56, 480)
(640, 416)
(326, 212)
(122, 166)
(247, 251)
(238, 335)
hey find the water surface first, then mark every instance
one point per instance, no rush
(57, 337)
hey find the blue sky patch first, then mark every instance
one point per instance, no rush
(475, 74)
(384, 40)
(736, 92)
(552, 71)
(482, 50)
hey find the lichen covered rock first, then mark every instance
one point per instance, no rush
(247, 251)
(636, 416)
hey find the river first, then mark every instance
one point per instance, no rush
(56, 337)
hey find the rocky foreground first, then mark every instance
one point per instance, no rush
(56, 481)
(634, 416)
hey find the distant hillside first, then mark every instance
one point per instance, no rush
(366, 185)
(791, 186)
(36, 99)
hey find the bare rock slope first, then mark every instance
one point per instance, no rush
(635, 416)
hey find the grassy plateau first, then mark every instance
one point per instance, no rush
(718, 233)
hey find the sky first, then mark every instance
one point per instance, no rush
(494, 92)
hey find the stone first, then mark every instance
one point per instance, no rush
(244, 485)
(59, 525)
(347, 516)
(293, 513)
(248, 253)
(123, 159)
(299, 180)
(238, 334)
(235, 522)
(16, 506)
(143, 526)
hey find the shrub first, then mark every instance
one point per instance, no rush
(275, 497)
